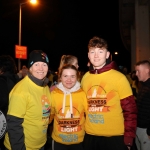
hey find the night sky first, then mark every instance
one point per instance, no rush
(61, 27)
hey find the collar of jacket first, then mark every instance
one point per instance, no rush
(147, 82)
(108, 66)
(39, 82)
(73, 89)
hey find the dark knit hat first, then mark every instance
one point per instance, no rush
(37, 55)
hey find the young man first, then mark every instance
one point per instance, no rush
(143, 104)
(111, 118)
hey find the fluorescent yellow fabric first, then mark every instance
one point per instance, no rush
(68, 129)
(129, 78)
(32, 103)
(104, 92)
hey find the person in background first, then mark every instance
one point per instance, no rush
(65, 59)
(69, 104)
(29, 107)
(111, 117)
(55, 78)
(23, 72)
(89, 65)
(50, 77)
(8, 78)
(142, 140)
(135, 83)
(127, 74)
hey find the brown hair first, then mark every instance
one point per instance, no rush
(143, 62)
(97, 42)
(67, 66)
(66, 59)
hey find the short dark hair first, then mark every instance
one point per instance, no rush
(97, 42)
(143, 62)
(7, 64)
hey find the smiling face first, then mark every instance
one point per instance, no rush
(39, 70)
(98, 56)
(68, 78)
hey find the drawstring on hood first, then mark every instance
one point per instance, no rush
(73, 89)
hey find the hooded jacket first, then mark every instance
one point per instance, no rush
(68, 108)
(111, 106)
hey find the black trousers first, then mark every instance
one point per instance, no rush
(2, 147)
(92, 142)
(59, 146)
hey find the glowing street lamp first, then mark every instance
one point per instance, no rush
(116, 53)
(111, 55)
(33, 2)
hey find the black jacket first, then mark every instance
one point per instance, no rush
(7, 82)
(143, 105)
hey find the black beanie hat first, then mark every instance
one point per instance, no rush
(37, 55)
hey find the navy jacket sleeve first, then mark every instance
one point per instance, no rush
(15, 132)
(129, 108)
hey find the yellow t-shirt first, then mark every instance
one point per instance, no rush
(68, 128)
(32, 103)
(104, 92)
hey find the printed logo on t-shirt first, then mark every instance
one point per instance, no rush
(98, 102)
(68, 122)
(45, 110)
(69, 137)
(98, 99)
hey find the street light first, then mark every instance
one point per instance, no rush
(111, 55)
(33, 2)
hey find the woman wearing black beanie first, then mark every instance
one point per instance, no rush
(29, 107)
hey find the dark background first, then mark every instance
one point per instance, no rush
(61, 27)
